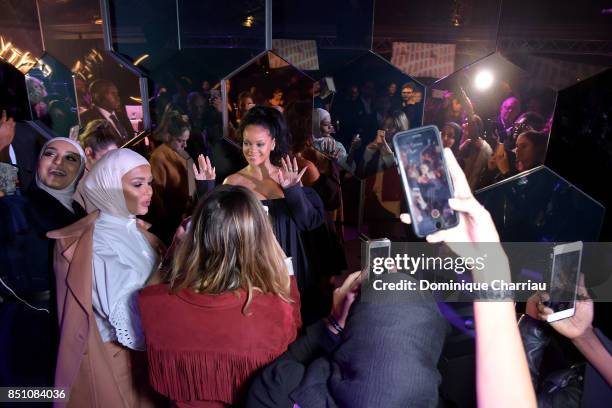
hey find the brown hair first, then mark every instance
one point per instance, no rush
(229, 246)
(98, 135)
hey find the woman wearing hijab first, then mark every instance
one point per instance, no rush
(100, 264)
(28, 328)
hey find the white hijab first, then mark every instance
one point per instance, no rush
(318, 116)
(64, 195)
(103, 185)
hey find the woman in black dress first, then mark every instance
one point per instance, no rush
(28, 323)
(275, 180)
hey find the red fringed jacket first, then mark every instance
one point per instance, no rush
(202, 348)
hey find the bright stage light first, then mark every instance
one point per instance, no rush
(483, 80)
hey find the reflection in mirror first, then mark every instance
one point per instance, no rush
(145, 32)
(494, 117)
(268, 80)
(20, 39)
(71, 29)
(319, 37)
(427, 39)
(541, 206)
(13, 93)
(52, 96)
(374, 100)
(105, 89)
(112, 94)
(580, 147)
(558, 43)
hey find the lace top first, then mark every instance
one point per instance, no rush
(123, 260)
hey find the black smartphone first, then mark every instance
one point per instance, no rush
(427, 184)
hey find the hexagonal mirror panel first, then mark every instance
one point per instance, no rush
(145, 32)
(580, 147)
(107, 90)
(369, 100)
(435, 38)
(271, 81)
(20, 38)
(13, 92)
(494, 117)
(317, 42)
(71, 29)
(52, 96)
(541, 206)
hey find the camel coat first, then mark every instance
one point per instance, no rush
(96, 374)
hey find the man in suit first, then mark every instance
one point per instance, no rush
(107, 105)
(19, 146)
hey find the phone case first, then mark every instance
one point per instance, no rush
(398, 140)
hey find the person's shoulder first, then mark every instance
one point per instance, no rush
(235, 179)
(90, 114)
(161, 151)
(157, 290)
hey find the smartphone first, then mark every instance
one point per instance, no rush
(376, 252)
(564, 280)
(8, 178)
(74, 133)
(427, 184)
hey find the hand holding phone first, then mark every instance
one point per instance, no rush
(426, 181)
(563, 287)
(475, 222)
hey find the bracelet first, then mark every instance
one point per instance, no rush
(335, 323)
(492, 294)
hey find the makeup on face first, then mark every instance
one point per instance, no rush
(59, 165)
(137, 189)
(257, 144)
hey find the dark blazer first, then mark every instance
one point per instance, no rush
(29, 338)
(27, 144)
(94, 113)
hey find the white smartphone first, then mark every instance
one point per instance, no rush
(74, 133)
(377, 251)
(564, 280)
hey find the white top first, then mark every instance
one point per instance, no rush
(123, 260)
(107, 116)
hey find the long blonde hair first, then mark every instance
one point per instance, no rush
(229, 246)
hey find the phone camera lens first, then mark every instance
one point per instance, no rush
(438, 224)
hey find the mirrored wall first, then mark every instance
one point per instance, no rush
(494, 116)
(52, 96)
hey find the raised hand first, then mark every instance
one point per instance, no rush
(378, 141)
(344, 296)
(571, 327)
(355, 143)
(206, 171)
(288, 175)
(328, 147)
(475, 223)
(7, 130)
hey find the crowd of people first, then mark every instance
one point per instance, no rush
(492, 149)
(211, 272)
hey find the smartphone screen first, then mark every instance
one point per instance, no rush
(426, 181)
(564, 280)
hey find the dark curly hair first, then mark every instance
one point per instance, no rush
(274, 122)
